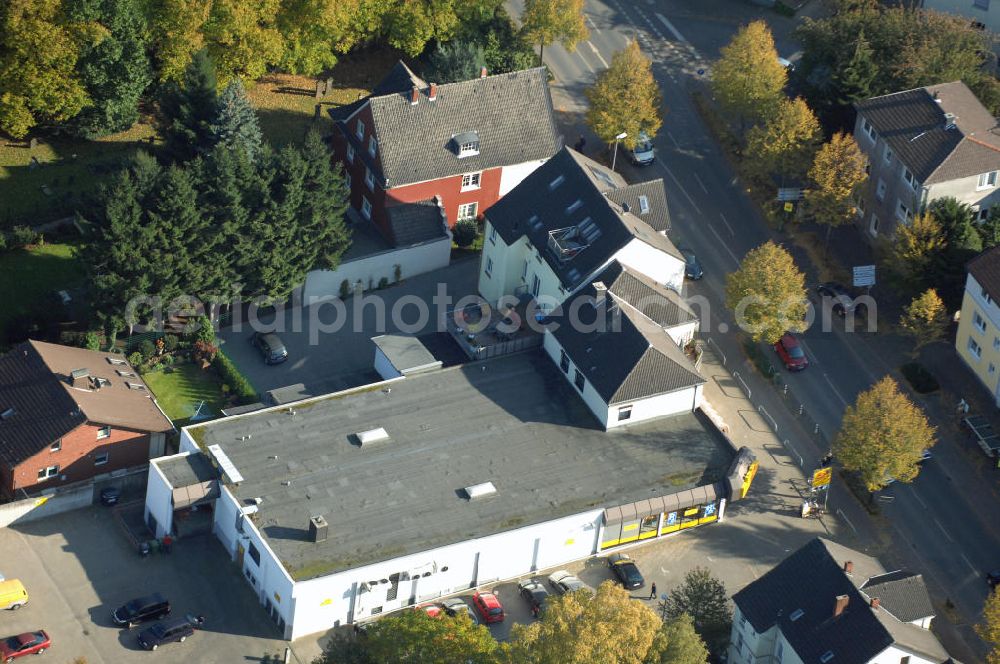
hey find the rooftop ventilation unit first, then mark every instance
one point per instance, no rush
(228, 469)
(643, 204)
(318, 528)
(7, 414)
(796, 614)
(949, 120)
(477, 491)
(371, 436)
(826, 657)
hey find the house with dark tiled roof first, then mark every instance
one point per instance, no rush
(978, 338)
(568, 221)
(827, 604)
(463, 144)
(933, 142)
(69, 414)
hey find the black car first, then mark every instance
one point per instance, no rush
(168, 631)
(141, 609)
(270, 347)
(533, 592)
(625, 570)
(110, 495)
(692, 266)
(455, 606)
(993, 578)
(843, 301)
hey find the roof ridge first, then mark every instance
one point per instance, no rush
(969, 137)
(453, 84)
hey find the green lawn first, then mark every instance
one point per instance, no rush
(180, 391)
(29, 277)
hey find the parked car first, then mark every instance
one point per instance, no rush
(489, 607)
(433, 609)
(456, 606)
(643, 154)
(533, 592)
(993, 578)
(29, 643)
(692, 266)
(110, 495)
(13, 594)
(791, 353)
(164, 632)
(843, 301)
(141, 609)
(625, 569)
(270, 346)
(563, 582)
(925, 456)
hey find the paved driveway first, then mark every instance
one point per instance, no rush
(78, 566)
(325, 361)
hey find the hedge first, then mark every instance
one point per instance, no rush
(237, 382)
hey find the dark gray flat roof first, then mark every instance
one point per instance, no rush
(182, 471)
(513, 421)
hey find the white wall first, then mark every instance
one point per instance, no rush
(159, 497)
(414, 260)
(384, 367)
(320, 603)
(684, 333)
(38, 507)
(511, 176)
(894, 655)
(655, 264)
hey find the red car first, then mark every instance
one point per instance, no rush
(29, 643)
(791, 352)
(488, 606)
(434, 610)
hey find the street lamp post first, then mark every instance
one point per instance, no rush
(614, 158)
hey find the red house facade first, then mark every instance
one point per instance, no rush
(462, 144)
(68, 414)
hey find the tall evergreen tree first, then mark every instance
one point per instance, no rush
(855, 80)
(188, 110)
(115, 71)
(455, 61)
(322, 213)
(236, 125)
(175, 216)
(225, 174)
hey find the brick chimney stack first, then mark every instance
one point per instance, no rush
(432, 94)
(875, 603)
(414, 96)
(482, 73)
(841, 604)
(849, 567)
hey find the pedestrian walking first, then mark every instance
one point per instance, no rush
(652, 592)
(580, 143)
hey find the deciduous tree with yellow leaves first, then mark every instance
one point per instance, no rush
(767, 293)
(548, 21)
(625, 98)
(925, 319)
(748, 79)
(837, 172)
(784, 146)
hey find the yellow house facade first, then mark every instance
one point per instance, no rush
(978, 338)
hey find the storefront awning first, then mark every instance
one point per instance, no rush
(674, 502)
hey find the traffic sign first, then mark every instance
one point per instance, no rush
(789, 207)
(864, 275)
(821, 477)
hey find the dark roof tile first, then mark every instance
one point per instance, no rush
(901, 593)
(986, 269)
(413, 223)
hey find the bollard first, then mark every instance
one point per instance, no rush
(784, 390)
(816, 429)
(801, 408)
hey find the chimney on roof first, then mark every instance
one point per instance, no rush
(482, 72)
(432, 94)
(841, 604)
(414, 96)
(79, 378)
(318, 528)
(600, 292)
(848, 567)
(875, 603)
(937, 97)
(949, 120)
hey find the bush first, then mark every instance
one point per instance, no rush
(202, 330)
(3, 241)
(383, 283)
(170, 342)
(237, 382)
(147, 349)
(465, 232)
(135, 359)
(759, 358)
(783, 9)
(92, 341)
(345, 289)
(23, 236)
(919, 378)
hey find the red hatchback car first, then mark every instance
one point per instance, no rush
(791, 352)
(488, 606)
(29, 643)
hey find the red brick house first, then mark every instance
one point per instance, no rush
(68, 414)
(465, 144)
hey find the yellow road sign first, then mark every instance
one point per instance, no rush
(789, 207)
(822, 477)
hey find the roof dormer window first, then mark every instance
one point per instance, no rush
(466, 144)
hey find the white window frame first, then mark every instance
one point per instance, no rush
(880, 189)
(489, 267)
(350, 153)
(873, 225)
(48, 473)
(103, 432)
(366, 208)
(910, 179)
(975, 349)
(901, 207)
(472, 181)
(468, 149)
(979, 322)
(101, 458)
(987, 181)
(493, 234)
(464, 211)
(868, 129)
(360, 131)
(372, 146)
(56, 446)
(369, 179)
(887, 154)
(985, 295)
(624, 413)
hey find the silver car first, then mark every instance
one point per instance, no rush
(456, 606)
(563, 582)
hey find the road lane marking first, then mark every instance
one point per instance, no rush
(580, 55)
(593, 25)
(701, 184)
(673, 140)
(919, 499)
(723, 243)
(724, 220)
(670, 26)
(946, 534)
(597, 53)
(830, 383)
(844, 517)
(681, 187)
(808, 351)
(971, 566)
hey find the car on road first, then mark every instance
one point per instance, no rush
(29, 643)
(110, 495)
(175, 630)
(791, 353)
(141, 609)
(925, 456)
(489, 607)
(626, 571)
(533, 592)
(643, 154)
(692, 266)
(993, 578)
(433, 609)
(271, 348)
(842, 300)
(563, 582)
(456, 606)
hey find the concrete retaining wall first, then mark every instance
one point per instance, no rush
(131, 482)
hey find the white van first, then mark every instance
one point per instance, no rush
(643, 153)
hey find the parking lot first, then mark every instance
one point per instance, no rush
(78, 567)
(326, 361)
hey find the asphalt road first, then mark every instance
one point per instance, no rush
(938, 524)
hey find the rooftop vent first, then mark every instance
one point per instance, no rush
(600, 292)
(7, 414)
(826, 657)
(117, 361)
(371, 436)
(796, 614)
(78, 377)
(318, 528)
(949, 120)
(136, 386)
(477, 491)
(841, 605)
(97, 382)
(644, 204)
